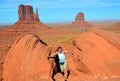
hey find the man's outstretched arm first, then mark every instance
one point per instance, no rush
(53, 55)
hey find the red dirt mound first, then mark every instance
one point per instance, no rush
(97, 54)
(24, 27)
(27, 61)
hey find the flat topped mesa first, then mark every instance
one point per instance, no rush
(25, 12)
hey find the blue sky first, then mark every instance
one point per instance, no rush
(62, 10)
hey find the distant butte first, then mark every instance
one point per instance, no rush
(79, 17)
(25, 12)
(28, 22)
(80, 21)
(117, 25)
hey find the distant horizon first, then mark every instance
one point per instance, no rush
(62, 10)
(67, 22)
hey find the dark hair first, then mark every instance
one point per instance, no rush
(59, 48)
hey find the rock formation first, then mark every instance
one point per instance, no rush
(79, 17)
(98, 55)
(116, 25)
(94, 59)
(28, 23)
(26, 13)
(27, 61)
(80, 21)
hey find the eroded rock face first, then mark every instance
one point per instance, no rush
(27, 61)
(25, 12)
(98, 55)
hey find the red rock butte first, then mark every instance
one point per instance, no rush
(79, 17)
(29, 22)
(26, 13)
(80, 21)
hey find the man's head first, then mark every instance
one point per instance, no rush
(60, 49)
